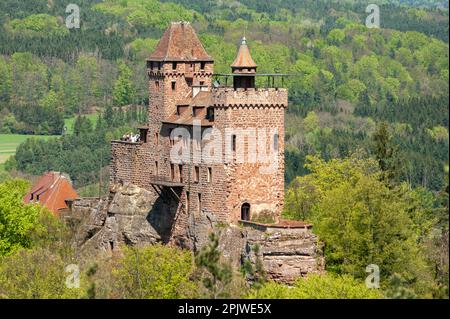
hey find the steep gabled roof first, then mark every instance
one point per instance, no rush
(244, 58)
(52, 189)
(180, 43)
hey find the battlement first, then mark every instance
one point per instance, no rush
(225, 96)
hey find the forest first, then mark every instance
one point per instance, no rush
(368, 109)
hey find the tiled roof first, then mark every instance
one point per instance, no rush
(51, 191)
(203, 98)
(243, 58)
(180, 43)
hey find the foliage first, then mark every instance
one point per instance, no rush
(34, 274)
(155, 271)
(217, 275)
(17, 220)
(363, 220)
(327, 286)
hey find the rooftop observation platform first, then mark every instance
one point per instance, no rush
(227, 96)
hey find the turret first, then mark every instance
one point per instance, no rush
(243, 68)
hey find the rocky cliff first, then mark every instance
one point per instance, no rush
(133, 216)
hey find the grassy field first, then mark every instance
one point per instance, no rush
(9, 144)
(70, 122)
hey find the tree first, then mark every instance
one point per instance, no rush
(17, 220)
(386, 152)
(217, 274)
(124, 90)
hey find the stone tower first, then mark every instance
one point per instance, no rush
(231, 139)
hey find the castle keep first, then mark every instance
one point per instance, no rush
(243, 177)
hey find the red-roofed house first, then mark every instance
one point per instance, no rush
(52, 190)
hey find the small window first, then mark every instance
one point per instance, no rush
(181, 109)
(172, 172)
(180, 173)
(143, 135)
(199, 202)
(202, 65)
(233, 142)
(174, 84)
(156, 168)
(210, 113)
(174, 65)
(202, 83)
(196, 174)
(156, 138)
(187, 201)
(275, 142)
(209, 174)
(159, 65)
(157, 85)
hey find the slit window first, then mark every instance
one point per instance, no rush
(172, 172)
(276, 141)
(187, 201)
(196, 174)
(202, 65)
(209, 174)
(233, 142)
(174, 85)
(156, 167)
(199, 202)
(174, 65)
(156, 138)
(180, 173)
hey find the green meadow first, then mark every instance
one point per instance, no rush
(9, 144)
(69, 123)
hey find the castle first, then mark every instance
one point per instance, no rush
(210, 159)
(242, 177)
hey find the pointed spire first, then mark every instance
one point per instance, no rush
(243, 58)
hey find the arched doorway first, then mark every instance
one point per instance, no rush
(245, 211)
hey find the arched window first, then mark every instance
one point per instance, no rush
(245, 211)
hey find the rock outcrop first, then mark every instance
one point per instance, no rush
(133, 216)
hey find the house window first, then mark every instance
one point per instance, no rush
(209, 174)
(172, 171)
(202, 65)
(174, 85)
(174, 65)
(202, 83)
(196, 174)
(199, 202)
